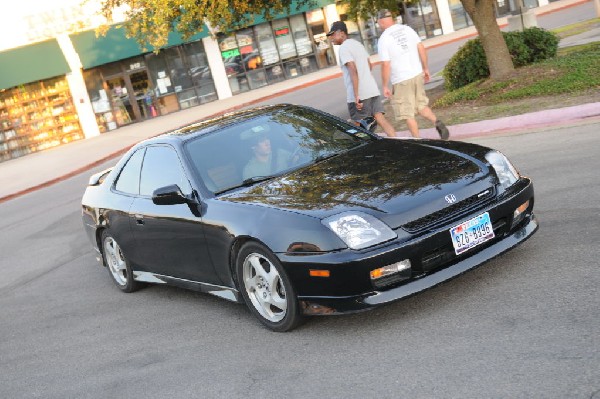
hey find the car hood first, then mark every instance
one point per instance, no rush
(395, 180)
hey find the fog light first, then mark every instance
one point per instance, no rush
(519, 213)
(390, 269)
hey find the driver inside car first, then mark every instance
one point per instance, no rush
(265, 161)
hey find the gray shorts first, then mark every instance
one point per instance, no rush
(371, 106)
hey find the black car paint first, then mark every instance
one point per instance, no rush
(285, 214)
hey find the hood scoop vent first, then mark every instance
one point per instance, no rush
(450, 212)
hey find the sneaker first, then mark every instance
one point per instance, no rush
(369, 123)
(442, 129)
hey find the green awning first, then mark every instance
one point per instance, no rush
(295, 9)
(31, 63)
(115, 45)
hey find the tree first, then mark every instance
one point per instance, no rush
(483, 16)
(150, 21)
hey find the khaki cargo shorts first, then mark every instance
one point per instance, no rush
(409, 98)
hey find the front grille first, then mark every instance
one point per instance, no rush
(449, 211)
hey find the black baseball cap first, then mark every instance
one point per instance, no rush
(385, 13)
(337, 25)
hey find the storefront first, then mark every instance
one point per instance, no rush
(274, 51)
(36, 106)
(79, 85)
(149, 86)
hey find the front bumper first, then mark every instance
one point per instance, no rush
(349, 288)
(331, 305)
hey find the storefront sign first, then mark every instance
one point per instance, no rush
(230, 53)
(50, 23)
(247, 50)
(282, 31)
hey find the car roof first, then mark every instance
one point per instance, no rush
(204, 126)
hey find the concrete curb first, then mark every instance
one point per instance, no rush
(541, 119)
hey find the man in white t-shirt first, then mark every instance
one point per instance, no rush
(404, 64)
(362, 93)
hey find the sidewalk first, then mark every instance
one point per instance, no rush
(31, 172)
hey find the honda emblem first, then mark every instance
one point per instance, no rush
(450, 198)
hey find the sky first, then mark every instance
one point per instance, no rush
(27, 21)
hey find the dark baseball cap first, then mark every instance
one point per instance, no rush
(337, 25)
(385, 13)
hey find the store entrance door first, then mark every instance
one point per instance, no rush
(143, 94)
(123, 113)
(132, 97)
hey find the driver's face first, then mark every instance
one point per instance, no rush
(263, 147)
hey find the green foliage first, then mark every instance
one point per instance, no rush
(541, 43)
(469, 64)
(519, 52)
(573, 70)
(150, 21)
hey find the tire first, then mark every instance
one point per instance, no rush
(118, 266)
(266, 288)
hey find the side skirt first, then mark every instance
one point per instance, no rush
(230, 294)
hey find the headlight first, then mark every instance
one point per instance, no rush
(359, 230)
(506, 172)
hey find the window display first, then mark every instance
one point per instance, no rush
(268, 48)
(284, 39)
(300, 32)
(37, 116)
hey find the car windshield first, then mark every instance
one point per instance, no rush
(268, 145)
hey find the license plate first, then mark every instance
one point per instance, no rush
(471, 233)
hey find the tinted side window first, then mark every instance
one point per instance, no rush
(129, 178)
(162, 168)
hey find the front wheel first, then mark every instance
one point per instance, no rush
(117, 265)
(266, 288)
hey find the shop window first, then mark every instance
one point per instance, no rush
(423, 17)
(275, 74)
(36, 116)
(284, 39)
(232, 58)
(134, 64)
(308, 64)
(99, 99)
(300, 33)
(324, 50)
(200, 72)
(266, 43)
(164, 91)
(459, 16)
(180, 78)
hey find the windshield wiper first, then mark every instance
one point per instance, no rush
(246, 182)
(323, 157)
(255, 179)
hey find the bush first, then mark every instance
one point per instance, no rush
(542, 44)
(519, 52)
(469, 64)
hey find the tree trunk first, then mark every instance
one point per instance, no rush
(483, 16)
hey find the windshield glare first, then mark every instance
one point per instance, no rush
(269, 145)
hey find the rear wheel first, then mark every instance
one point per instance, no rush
(266, 288)
(116, 263)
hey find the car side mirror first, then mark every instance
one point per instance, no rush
(169, 195)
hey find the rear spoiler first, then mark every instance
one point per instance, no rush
(99, 177)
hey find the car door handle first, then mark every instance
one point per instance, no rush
(139, 219)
